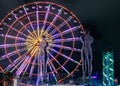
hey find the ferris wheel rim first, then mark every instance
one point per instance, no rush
(60, 31)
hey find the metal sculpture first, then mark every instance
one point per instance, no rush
(86, 54)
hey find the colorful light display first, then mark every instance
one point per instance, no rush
(108, 69)
(21, 32)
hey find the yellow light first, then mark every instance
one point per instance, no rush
(33, 42)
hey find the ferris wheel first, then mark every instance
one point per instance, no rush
(21, 32)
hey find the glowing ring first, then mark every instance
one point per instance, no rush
(67, 18)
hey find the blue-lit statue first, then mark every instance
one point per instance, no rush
(86, 54)
(42, 77)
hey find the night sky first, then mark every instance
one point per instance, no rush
(100, 17)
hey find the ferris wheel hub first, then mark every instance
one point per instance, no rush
(34, 41)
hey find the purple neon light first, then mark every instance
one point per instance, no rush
(12, 53)
(52, 72)
(24, 60)
(65, 56)
(58, 63)
(66, 48)
(61, 25)
(12, 45)
(12, 37)
(65, 32)
(54, 20)
(14, 29)
(33, 29)
(20, 22)
(16, 62)
(66, 40)
(33, 65)
(46, 17)
(37, 15)
(23, 65)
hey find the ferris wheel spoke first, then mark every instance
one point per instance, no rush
(37, 15)
(65, 32)
(54, 20)
(12, 45)
(33, 66)
(11, 53)
(17, 63)
(46, 17)
(65, 56)
(15, 16)
(12, 37)
(28, 64)
(32, 50)
(66, 40)
(33, 29)
(16, 66)
(52, 66)
(14, 29)
(59, 63)
(22, 67)
(53, 72)
(21, 23)
(61, 25)
(39, 71)
(13, 63)
(65, 47)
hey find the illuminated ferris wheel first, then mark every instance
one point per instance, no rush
(21, 33)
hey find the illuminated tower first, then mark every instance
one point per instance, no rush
(108, 68)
